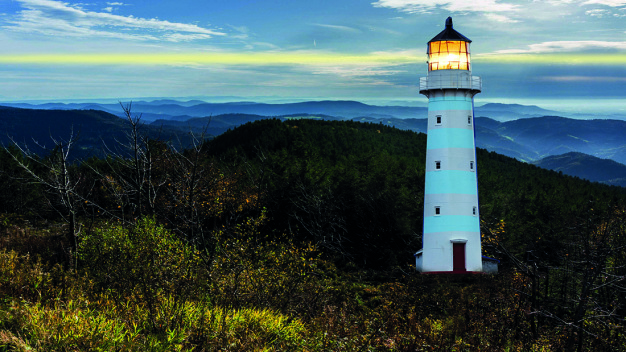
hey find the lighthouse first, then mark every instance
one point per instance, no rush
(451, 237)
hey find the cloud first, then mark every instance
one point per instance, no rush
(55, 18)
(240, 29)
(599, 13)
(611, 3)
(559, 2)
(185, 37)
(384, 30)
(356, 70)
(492, 9)
(425, 6)
(567, 46)
(338, 28)
(582, 79)
(362, 75)
(500, 18)
(265, 45)
(242, 32)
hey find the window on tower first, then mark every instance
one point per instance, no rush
(472, 165)
(469, 120)
(438, 165)
(437, 210)
(438, 120)
(474, 210)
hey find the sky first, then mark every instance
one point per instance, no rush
(571, 53)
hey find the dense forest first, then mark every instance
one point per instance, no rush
(295, 235)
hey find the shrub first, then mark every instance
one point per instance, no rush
(20, 276)
(143, 263)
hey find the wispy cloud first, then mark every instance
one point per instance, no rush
(612, 3)
(582, 79)
(338, 27)
(55, 18)
(567, 46)
(599, 13)
(493, 10)
(424, 6)
(500, 18)
(356, 70)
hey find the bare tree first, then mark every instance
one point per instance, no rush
(57, 177)
(190, 180)
(133, 179)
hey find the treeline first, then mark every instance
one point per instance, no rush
(296, 235)
(354, 189)
(372, 177)
(96, 132)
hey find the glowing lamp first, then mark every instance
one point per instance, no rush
(449, 50)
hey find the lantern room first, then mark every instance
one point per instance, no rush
(449, 50)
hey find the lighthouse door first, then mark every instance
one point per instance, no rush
(458, 257)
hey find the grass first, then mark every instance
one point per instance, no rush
(81, 325)
(254, 296)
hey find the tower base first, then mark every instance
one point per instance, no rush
(489, 266)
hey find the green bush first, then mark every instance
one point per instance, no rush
(145, 263)
(21, 276)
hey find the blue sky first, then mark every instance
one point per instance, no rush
(525, 51)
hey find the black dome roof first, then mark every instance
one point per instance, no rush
(450, 34)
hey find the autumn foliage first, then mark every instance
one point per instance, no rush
(298, 236)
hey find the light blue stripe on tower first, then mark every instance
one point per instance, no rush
(451, 223)
(449, 105)
(450, 138)
(451, 181)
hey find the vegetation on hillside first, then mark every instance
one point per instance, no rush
(97, 130)
(296, 235)
(586, 166)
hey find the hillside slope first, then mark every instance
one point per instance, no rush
(587, 167)
(553, 135)
(527, 140)
(93, 129)
(358, 188)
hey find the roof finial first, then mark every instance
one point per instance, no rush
(449, 22)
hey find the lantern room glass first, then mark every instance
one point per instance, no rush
(448, 55)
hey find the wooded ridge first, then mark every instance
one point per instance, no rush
(296, 235)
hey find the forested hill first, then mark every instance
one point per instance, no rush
(357, 188)
(298, 235)
(586, 166)
(92, 129)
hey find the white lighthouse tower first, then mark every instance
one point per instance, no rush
(451, 237)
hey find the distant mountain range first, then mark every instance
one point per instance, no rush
(587, 167)
(165, 109)
(532, 139)
(528, 139)
(95, 130)
(170, 110)
(535, 138)
(528, 133)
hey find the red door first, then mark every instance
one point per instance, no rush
(458, 257)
